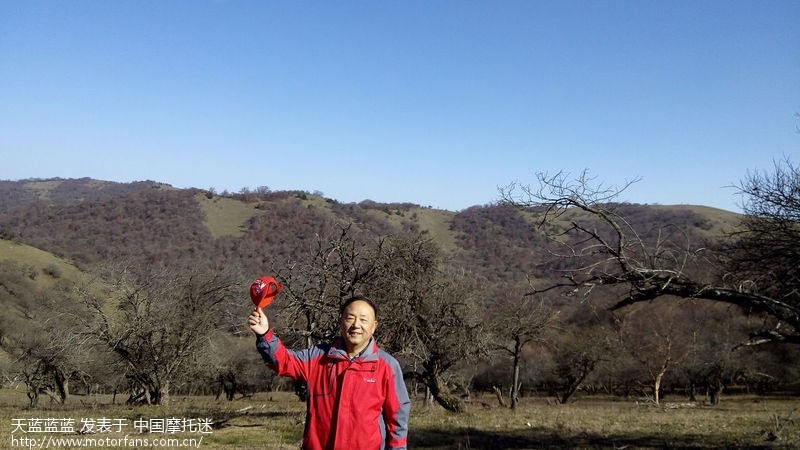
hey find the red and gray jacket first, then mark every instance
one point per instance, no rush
(361, 404)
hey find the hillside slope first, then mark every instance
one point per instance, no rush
(90, 222)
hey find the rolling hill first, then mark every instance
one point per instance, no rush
(87, 221)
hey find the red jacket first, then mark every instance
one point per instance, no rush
(361, 404)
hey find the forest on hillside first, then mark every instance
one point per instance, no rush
(554, 290)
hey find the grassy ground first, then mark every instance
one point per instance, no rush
(275, 421)
(225, 216)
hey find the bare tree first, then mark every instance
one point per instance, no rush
(585, 344)
(763, 257)
(48, 356)
(434, 319)
(338, 264)
(712, 363)
(444, 331)
(606, 250)
(39, 334)
(520, 321)
(159, 323)
(234, 369)
(658, 345)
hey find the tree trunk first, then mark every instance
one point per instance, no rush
(571, 387)
(164, 394)
(33, 398)
(657, 386)
(715, 391)
(62, 384)
(658, 378)
(574, 382)
(499, 395)
(515, 377)
(443, 396)
(53, 396)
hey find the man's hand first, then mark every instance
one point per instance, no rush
(258, 321)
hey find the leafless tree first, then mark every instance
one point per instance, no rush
(521, 320)
(339, 262)
(158, 322)
(606, 251)
(584, 345)
(657, 345)
(763, 257)
(48, 355)
(431, 317)
(712, 363)
(38, 332)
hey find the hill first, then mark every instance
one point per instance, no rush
(89, 221)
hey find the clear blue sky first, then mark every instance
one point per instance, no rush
(431, 102)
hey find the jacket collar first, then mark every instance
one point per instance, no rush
(370, 352)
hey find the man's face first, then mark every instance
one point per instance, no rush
(357, 325)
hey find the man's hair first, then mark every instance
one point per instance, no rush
(357, 298)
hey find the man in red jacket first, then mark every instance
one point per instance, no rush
(357, 399)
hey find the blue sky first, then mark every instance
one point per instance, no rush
(430, 102)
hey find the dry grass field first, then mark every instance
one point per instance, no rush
(225, 216)
(275, 421)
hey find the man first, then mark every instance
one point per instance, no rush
(357, 398)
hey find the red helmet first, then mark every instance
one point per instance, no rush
(263, 291)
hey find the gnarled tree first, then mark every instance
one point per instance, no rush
(519, 321)
(159, 322)
(759, 274)
(431, 317)
(762, 259)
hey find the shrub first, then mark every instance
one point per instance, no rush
(53, 270)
